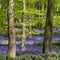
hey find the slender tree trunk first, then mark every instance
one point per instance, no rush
(30, 30)
(24, 26)
(11, 29)
(45, 6)
(29, 18)
(38, 5)
(47, 44)
(42, 7)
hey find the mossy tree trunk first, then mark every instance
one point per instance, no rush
(11, 30)
(47, 44)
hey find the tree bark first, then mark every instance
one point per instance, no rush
(47, 44)
(11, 29)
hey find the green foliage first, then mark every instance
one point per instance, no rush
(56, 21)
(33, 57)
(24, 57)
(3, 57)
(31, 11)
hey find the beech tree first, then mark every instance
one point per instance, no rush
(47, 44)
(11, 29)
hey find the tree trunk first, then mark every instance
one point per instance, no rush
(24, 26)
(30, 30)
(38, 5)
(47, 44)
(11, 29)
